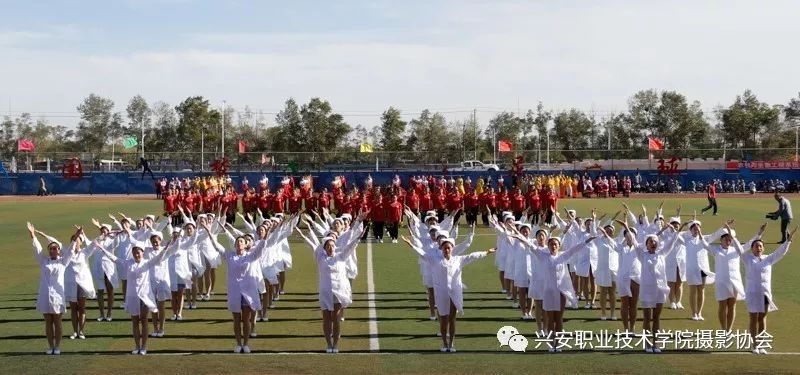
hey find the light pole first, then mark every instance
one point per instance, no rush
(223, 128)
(142, 126)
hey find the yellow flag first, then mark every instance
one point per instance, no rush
(366, 147)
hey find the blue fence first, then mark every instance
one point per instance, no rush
(133, 183)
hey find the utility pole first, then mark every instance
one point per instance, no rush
(223, 128)
(475, 127)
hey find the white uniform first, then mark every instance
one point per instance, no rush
(653, 288)
(103, 267)
(243, 281)
(556, 280)
(607, 264)
(536, 286)
(586, 261)
(447, 284)
(697, 257)
(630, 268)
(334, 285)
(758, 271)
(138, 290)
(50, 299)
(676, 260)
(180, 265)
(79, 274)
(159, 275)
(728, 277)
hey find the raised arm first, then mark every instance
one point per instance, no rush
(417, 249)
(581, 246)
(463, 246)
(471, 257)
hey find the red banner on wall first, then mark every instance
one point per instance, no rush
(761, 164)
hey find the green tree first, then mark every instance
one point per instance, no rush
(292, 135)
(572, 130)
(99, 123)
(748, 120)
(428, 134)
(196, 120)
(392, 129)
(139, 119)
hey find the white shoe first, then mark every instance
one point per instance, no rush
(515, 305)
(438, 334)
(108, 318)
(551, 350)
(443, 349)
(452, 350)
(259, 319)
(102, 318)
(135, 351)
(57, 351)
(656, 349)
(700, 317)
(49, 352)
(328, 350)
(673, 306)
(603, 318)
(246, 349)
(503, 291)
(694, 317)
(648, 350)
(237, 349)
(282, 292)
(613, 317)
(153, 334)
(756, 351)
(272, 306)
(432, 317)
(763, 351)
(508, 297)
(174, 317)
(335, 350)
(588, 306)
(253, 334)
(680, 306)
(394, 241)
(81, 336)
(143, 352)
(180, 317)
(558, 350)
(73, 336)
(341, 319)
(160, 334)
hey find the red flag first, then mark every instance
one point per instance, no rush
(503, 146)
(654, 144)
(242, 147)
(25, 145)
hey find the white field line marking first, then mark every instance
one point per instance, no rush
(743, 353)
(374, 345)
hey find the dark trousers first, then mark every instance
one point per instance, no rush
(377, 230)
(784, 226)
(367, 225)
(393, 229)
(472, 216)
(533, 217)
(712, 203)
(145, 170)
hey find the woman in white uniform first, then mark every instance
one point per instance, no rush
(758, 271)
(180, 266)
(628, 276)
(729, 287)
(334, 286)
(698, 270)
(654, 289)
(243, 284)
(446, 270)
(586, 262)
(606, 274)
(676, 266)
(159, 281)
(50, 300)
(104, 273)
(536, 287)
(522, 272)
(139, 294)
(557, 284)
(79, 285)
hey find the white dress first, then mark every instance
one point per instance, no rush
(206, 247)
(138, 290)
(243, 282)
(159, 275)
(79, 274)
(447, 284)
(676, 260)
(586, 261)
(334, 285)
(536, 286)
(124, 246)
(522, 265)
(697, 257)
(653, 288)
(180, 265)
(728, 277)
(758, 271)
(50, 299)
(630, 268)
(103, 267)
(556, 280)
(607, 264)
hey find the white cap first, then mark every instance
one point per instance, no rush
(151, 217)
(674, 219)
(572, 212)
(157, 234)
(347, 217)
(446, 240)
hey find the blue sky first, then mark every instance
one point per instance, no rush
(365, 56)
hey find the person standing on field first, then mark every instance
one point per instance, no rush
(712, 198)
(784, 212)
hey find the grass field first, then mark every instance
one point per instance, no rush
(292, 342)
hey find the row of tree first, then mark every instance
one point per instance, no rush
(314, 132)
